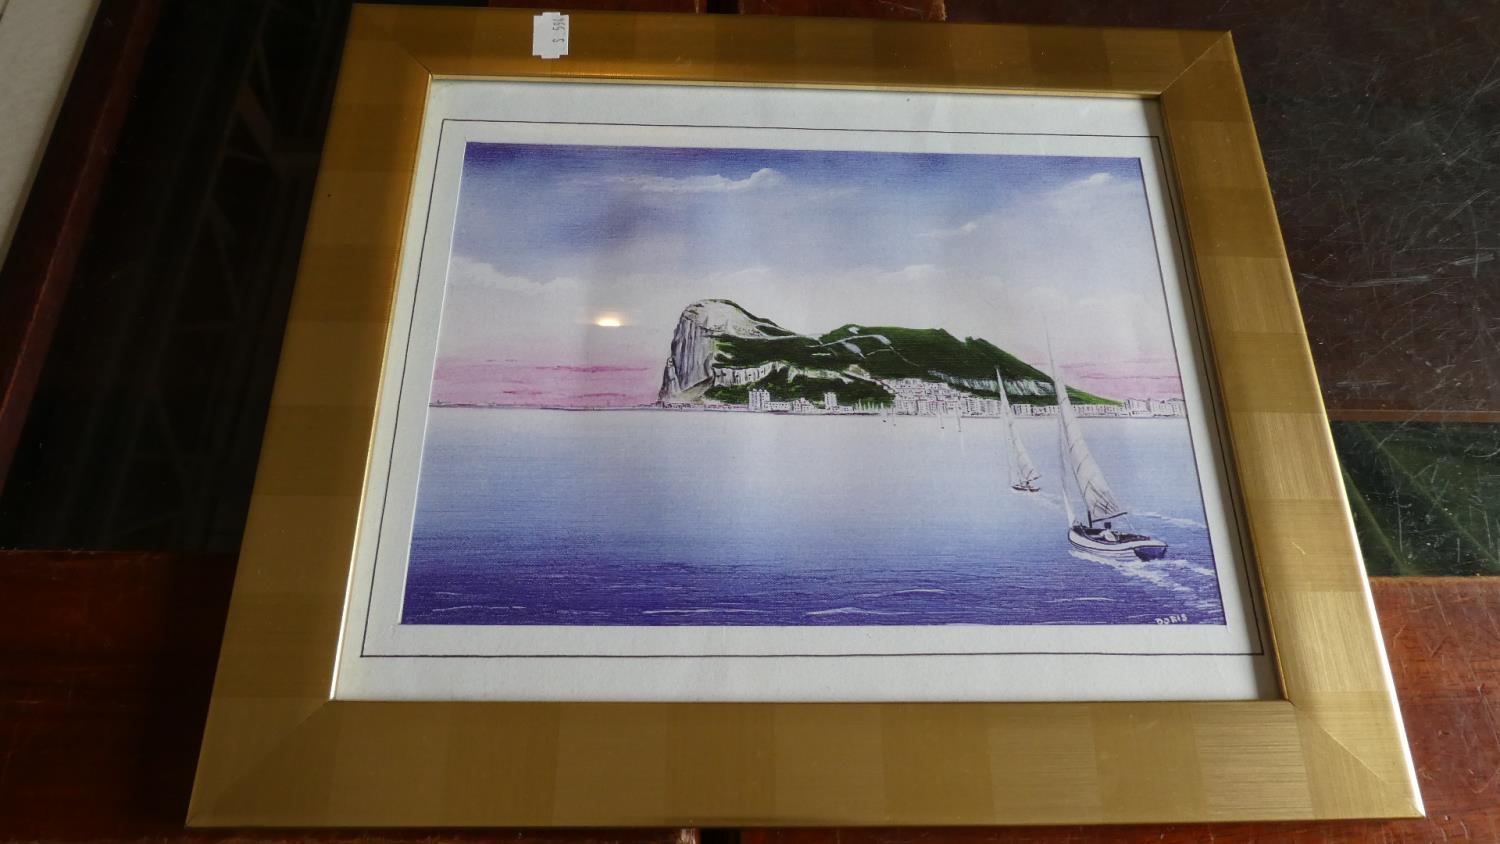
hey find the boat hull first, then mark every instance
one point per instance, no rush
(1143, 547)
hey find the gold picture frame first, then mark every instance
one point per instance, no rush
(278, 751)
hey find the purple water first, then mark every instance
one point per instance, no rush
(540, 517)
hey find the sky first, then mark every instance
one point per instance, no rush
(551, 241)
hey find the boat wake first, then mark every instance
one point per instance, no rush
(1051, 500)
(1149, 571)
(1189, 565)
(1174, 521)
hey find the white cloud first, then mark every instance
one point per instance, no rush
(765, 177)
(961, 231)
(1086, 193)
(826, 194)
(468, 273)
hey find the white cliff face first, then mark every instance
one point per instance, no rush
(723, 317)
(1028, 387)
(688, 362)
(1016, 387)
(690, 366)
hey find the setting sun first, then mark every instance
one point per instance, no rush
(608, 321)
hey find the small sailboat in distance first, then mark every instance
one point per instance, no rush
(1096, 532)
(1023, 473)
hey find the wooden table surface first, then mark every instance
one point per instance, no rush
(107, 660)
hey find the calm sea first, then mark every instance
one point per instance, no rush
(652, 517)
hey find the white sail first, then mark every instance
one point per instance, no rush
(1097, 496)
(1022, 471)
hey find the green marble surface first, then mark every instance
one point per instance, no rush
(1425, 496)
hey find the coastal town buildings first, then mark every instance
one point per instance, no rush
(916, 397)
(1167, 407)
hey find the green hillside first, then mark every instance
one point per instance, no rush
(860, 352)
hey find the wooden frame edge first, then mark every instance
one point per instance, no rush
(1207, 117)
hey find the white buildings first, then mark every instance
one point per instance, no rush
(918, 397)
(1168, 407)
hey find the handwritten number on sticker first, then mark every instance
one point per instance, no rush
(549, 35)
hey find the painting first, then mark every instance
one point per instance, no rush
(745, 387)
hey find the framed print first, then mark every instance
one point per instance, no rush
(611, 476)
(844, 422)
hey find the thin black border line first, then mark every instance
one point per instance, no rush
(1195, 334)
(1205, 359)
(1161, 283)
(791, 129)
(400, 390)
(401, 387)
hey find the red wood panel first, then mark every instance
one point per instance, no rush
(106, 663)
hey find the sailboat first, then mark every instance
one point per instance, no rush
(1096, 532)
(1023, 473)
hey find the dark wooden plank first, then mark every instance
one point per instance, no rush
(39, 267)
(922, 10)
(1425, 496)
(685, 6)
(105, 661)
(1380, 128)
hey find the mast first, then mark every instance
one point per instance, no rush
(1062, 453)
(1098, 498)
(1022, 470)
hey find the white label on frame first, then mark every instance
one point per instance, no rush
(549, 35)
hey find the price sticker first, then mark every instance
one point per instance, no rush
(549, 35)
